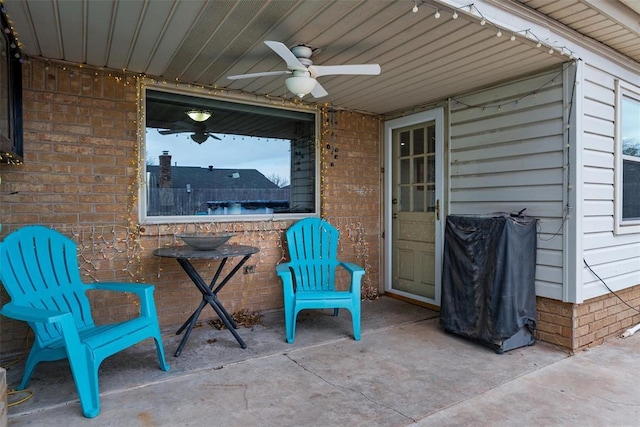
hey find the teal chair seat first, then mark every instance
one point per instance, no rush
(309, 278)
(39, 270)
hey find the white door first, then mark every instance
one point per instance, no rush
(414, 190)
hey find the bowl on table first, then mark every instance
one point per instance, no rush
(204, 241)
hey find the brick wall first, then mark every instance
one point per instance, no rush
(580, 326)
(603, 318)
(79, 177)
(555, 322)
(351, 188)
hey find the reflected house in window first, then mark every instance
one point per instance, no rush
(193, 190)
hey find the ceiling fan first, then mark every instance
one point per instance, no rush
(304, 73)
(200, 132)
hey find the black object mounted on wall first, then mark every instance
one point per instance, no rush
(11, 59)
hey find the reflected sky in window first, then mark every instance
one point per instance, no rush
(268, 155)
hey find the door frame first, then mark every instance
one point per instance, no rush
(436, 115)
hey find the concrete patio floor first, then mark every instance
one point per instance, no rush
(404, 371)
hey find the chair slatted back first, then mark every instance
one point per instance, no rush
(39, 268)
(313, 249)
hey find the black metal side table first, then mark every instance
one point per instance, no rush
(209, 292)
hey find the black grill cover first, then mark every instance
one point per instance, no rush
(488, 280)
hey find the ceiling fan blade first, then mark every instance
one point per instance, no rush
(253, 75)
(213, 136)
(319, 91)
(171, 131)
(361, 69)
(283, 51)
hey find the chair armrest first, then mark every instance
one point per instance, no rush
(63, 320)
(350, 267)
(356, 273)
(286, 276)
(31, 314)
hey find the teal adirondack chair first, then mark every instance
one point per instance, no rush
(39, 270)
(309, 278)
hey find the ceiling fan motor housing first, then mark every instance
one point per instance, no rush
(302, 52)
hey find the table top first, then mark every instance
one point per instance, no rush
(223, 251)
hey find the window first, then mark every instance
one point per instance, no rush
(211, 159)
(627, 158)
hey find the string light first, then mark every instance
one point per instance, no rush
(472, 10)
(498, 107)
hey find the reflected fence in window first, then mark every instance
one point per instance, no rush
(212, 201)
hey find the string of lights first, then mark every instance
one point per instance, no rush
(497, 106)
(472, 11)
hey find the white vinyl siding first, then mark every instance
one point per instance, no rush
(509, 158)
(615, 258)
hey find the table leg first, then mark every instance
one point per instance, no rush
(199, 282)
(193, 319)
(209, 297)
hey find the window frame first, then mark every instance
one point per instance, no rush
(622, 226)
(226, 96)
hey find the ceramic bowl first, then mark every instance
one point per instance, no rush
(205, 242)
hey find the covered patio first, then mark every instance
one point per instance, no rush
(405, 370)
(505, 83)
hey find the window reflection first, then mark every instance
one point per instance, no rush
(242, 159)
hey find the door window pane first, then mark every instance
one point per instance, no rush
(405, 171)
(418, 167)
(405, 199)
(405, 144)
(418, 141)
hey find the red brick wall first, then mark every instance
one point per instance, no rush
(80, 173)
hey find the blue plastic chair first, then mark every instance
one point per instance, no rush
(39, 270)
(309, 278)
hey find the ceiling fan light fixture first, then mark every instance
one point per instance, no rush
(199, 115)
(300, 85)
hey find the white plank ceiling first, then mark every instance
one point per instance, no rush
(201, 42)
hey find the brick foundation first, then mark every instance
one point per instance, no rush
(580, 326)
